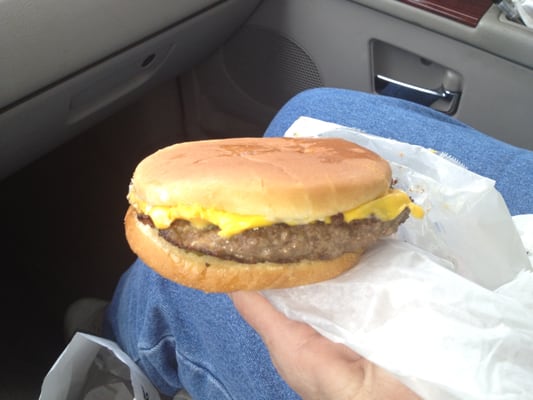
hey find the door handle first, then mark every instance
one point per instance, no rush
(442, 99)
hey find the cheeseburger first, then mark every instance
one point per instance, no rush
(257, 213)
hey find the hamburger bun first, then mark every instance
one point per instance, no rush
(236, 187)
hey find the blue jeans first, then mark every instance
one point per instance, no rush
(184, 338)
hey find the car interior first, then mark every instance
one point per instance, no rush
(90, 88)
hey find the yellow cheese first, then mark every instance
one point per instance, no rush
(229, 223)
(384, 208)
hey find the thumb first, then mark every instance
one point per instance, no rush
(261, 315)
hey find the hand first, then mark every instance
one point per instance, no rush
(312, 365)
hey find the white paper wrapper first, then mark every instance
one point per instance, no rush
(446, 304)
(93, 368)
(525, 9)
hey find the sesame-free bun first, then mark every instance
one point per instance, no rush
(212, 274)
(284, 180)
(278, 178)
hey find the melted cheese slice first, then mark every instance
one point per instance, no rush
(384, 208)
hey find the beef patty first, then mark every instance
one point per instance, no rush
(282, 243)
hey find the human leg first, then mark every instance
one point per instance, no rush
(182, 337)
(511, 167)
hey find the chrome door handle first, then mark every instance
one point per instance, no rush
(449, 99)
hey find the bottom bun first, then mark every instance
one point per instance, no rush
(212, 274)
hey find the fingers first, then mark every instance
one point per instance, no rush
(260, 314)
(306, 360)
(309, 362)
(280, 333)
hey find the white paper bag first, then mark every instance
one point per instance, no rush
(93, 368)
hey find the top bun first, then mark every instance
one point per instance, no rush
(281, 179)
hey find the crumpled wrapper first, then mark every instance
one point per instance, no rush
(94, 368)
(525, 10)
(447, 303)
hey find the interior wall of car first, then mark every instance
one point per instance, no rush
(288, 46)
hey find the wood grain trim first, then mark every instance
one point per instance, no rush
(467, 12)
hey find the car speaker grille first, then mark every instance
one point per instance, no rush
(269, 67)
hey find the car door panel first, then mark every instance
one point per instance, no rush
(339, 39)
(45, 41)
(74, 63)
